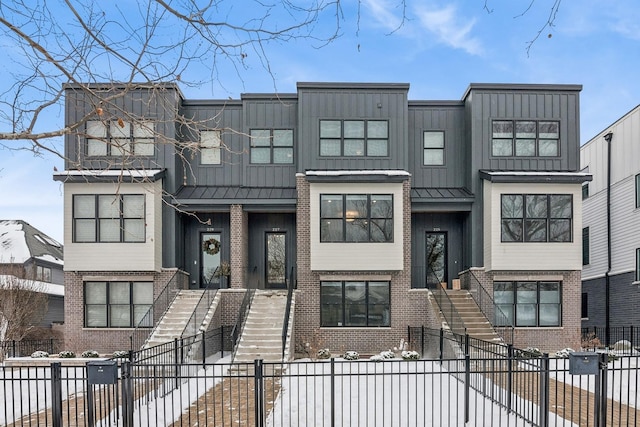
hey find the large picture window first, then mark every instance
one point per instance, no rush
(354, 138)
(529, 303)
(272, 146)
(525, 138)
(355, 303)
(356, 218)
(108, 218)
(118, 304)
(120, 138)
(536, 217)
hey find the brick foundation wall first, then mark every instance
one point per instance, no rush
(104, 340)
(409, 307)
(547, 339)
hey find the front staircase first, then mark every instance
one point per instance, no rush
(476, 323)
(262, 333)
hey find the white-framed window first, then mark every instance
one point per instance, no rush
(274, 146)
(118, 304)
(354, 138)
(210, 147)
(108, 218)
(356, 218)
(536, 217)
(120, 138)
(43, 274)
(433, 148)
(525, 138)
(355, 303)
(530, 303)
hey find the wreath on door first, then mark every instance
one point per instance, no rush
(211, 246)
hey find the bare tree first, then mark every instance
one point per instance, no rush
(22, 307)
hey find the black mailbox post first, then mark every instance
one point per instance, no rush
(102, 372)
(583, 363)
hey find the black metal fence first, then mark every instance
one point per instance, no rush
(595, 337)
(24, 348)
(495, 386)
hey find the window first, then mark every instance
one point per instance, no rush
(638, 265)
(118, 304)
(210, 142)
(585, 191)
(272, 146)
(585, 246)
(120, 138)
(43, 274)
(638, 191)
(108, 218)
(536, 217)
(433, 148)
(355, 303)
(529, 303)
(525, 138)
(354, 138)
(356, 218)
(584, 312)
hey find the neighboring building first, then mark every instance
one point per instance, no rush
(359, 197)
(611, 225)
(37, 260)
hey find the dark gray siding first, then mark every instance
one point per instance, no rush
(450, 120)
(624, 301)
(55, 311)
(270, 113)
(352, 101)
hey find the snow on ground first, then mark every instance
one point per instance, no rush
(13, 246)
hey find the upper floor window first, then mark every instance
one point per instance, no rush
(118, 304)
(210, 143)
(529, 303)
(638, 191)
(43, 274)
(585, 191)
(272, 146)
(433, 148)
(120, 138)
(525, 138)
(356, 218)
(108, 218)
(585, 246)
(638, 265)
(354, 138)
(536, 217)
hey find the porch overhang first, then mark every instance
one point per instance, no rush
(441, 200)
(536, 177)
(373, 176)
(201, 198)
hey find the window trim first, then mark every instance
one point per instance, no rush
(272, 147)
(514, 303)
(367, 304)
(346, 218)
(514, 138)
(433, 149)
(131, 141)
(548, 218)
(108, 304)
(342, 139)
(96, 219)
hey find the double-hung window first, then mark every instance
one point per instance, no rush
(525, 138)
(433, 148)
(355, 303)
(529, 303)
(118, 304)
(354, 138)
(273, 146)
(210, 143)
(108, 218)
(356, 218)
(120, 138)
(536, 217)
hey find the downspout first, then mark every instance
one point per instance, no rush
(608, 137)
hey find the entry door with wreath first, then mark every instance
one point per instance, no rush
(214, 273)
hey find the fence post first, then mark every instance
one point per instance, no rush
(127, 394)
(422, 340)
(544, 390)
(631, 340)
(467, 385)
(204, 350)
(509, 375)
(56, 394)
(176, 363)
(601, 416)
(441, 344)
(333, 392)
(13, 345)
(258, 390)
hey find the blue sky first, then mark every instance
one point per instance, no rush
(440, 49)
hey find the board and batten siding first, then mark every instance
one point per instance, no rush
(145, 256)
(356, 256)
(529, 255)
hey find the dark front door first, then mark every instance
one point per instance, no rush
(276, 260)
(210, 251)
(436, 262)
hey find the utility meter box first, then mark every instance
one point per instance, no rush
(102, 372)
(583, 363)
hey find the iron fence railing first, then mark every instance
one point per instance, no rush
(252, 283)
(287, 312)
(24, 348)
(622, 338)
(501, 323)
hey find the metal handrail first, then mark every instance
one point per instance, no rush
(498, 319)
(244, 309)
(447, 308)
(287, 312)
(146, 326)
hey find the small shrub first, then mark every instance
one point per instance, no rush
(323, 353)
(351, 355)
(66, 354)
(387, 354)
(528, 353)
(611, 356)
(410, 355)
(590, 341)
(39, 354)
(90, 353)
(120, 354)
(377, 358)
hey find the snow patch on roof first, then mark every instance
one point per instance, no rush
(50, 258)
(13, 244)
(33, 285)
(134, 173)
(358, 172)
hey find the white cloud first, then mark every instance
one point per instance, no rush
(450, 28)
(382, 12)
